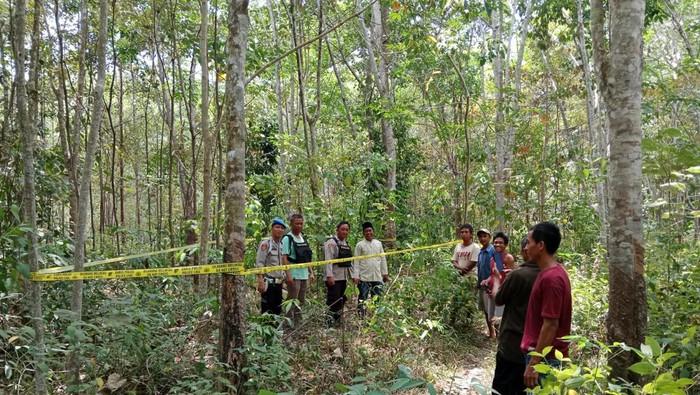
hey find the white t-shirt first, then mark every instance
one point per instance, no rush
(465, 254)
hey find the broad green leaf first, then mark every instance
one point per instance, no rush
(644, 368)
(341, 387)
(678, 365)
(399, 383)
(655, 347)
(23, 268)
(15, 212)
(693, 170)
(266, 392)
(431, 389)
(647, 350)
(674, 186)
(670, 132)
(658, 203)
(558, 355)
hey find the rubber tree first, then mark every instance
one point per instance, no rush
(233, 321)
(618, 62)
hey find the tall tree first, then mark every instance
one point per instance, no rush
(619, 67)
(86, 176)
(376, 39)
(232, 324)
(26, 104)
(206, 143)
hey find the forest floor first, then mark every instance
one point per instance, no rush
(456, 360)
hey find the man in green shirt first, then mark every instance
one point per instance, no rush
(296, 249)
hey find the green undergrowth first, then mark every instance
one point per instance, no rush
(156, 336)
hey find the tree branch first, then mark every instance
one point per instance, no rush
(307, 42)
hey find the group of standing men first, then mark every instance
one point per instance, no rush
(282, 248)
(534, 300)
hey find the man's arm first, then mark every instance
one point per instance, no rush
(355, 273)
(383, 266)
(546, 338)
(504, 293)
(260, 262)
(508, 262)
(285, 254)
(469, 267)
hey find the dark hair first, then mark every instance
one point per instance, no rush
(366, 225)
(523, 243)
(467, 226)
(549, 233)
(341, 223)
(502, 236)
(295, 216)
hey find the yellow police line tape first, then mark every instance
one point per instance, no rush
(232, 268)
(61, 269)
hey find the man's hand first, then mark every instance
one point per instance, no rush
(290, 280)
(261, 286)
(386, 278)
(356, 281)
(530, 376)
(312, 277)
(330, 281)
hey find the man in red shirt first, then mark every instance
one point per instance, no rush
(549, 311)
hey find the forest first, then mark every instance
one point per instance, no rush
(160, 136)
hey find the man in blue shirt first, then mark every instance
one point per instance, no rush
(483, 267)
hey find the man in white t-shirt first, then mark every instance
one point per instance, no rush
(466, 253)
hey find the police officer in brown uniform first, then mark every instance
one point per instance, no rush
(270, 255)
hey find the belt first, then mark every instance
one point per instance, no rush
(273, 280)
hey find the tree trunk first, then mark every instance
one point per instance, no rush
(502, 147)
(379, 65)
(620, 73)
(308, 123)
(278, 94)
(206, 145)
(233, 321)
(594, 149)
(86, 177)
(26, 93)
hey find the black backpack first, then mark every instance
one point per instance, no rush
(344, 251)
(302, 250)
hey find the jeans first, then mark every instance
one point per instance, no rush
(541, 376)
(368, 288)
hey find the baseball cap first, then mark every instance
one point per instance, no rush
(483, 230)
(278, 221)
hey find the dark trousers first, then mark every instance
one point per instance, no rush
(272, 299)
(508, 377)
(335, 299)
(368, 289)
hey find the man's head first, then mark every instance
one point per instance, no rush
(523, 252)
(368, 231)
(500, 241)
(342, 230)
(278, 228)
(465, 232)
(484, 237)
(297, 223)
(543, 240)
